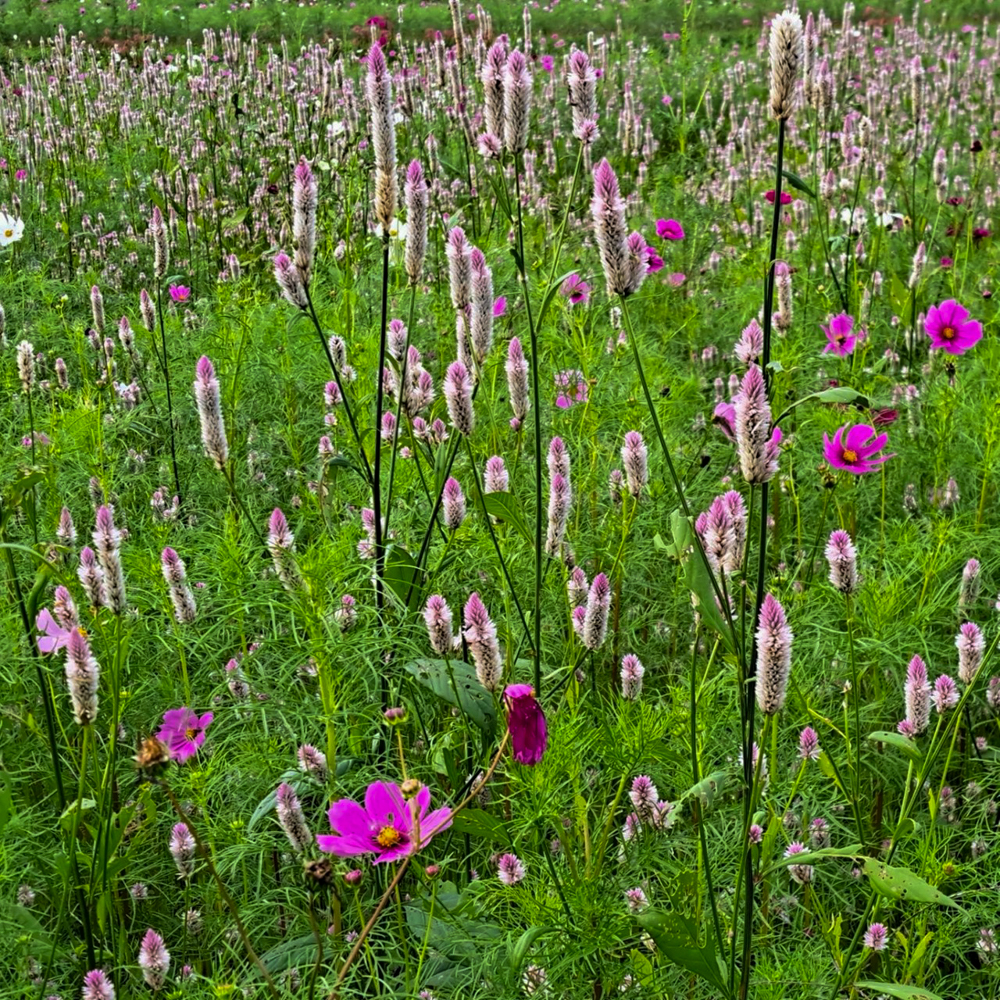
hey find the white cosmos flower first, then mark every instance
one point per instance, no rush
(397, 230)
(11, 229)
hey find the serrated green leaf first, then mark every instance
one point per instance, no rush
(677, 938)
(904, 743)
(504, 507)
(902, 884)
(456, 683)
(903, 992)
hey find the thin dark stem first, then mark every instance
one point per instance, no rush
(377, 475)
(496, 543)
(166, 379)
(536, 406)
(400, 396)
(311, 312)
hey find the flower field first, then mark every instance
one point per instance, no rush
(499, 502)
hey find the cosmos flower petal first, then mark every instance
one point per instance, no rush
(344, 846)
(349, 819)
(382, 800)
(433, 823)
(857, 436)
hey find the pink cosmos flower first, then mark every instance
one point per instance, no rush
(842, 340)
(548, 63)
(525, 723)
(183, 732)
(786, 198)
(180, 293)
(55, 637)
(677, 279)
(387, 826)
(669, 229)
(576, 289)
(500, 306)
(950, 329)
(724, 418)
(854, 450)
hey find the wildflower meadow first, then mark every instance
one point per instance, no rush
(499, 501)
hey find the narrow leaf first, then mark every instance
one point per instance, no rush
(904, 743)
(903, 992)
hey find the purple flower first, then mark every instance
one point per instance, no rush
(97, 986)
(875, 937)
(945, 694)
(183, 732)
(855, 449)
(55, 635)
(724, 417)
(387, 826)
(525, 723)
(576, 289)
(499, 306)
(774, 656)
(809, 744)
(669, 229)
(950, 329)
(154, 960)
(841, 340)
(917, 694)
(180, 293)
(786, 198)
(510, 869)
(548, 63)
(676, 279)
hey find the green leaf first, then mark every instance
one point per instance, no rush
(698, 580)
(811, 857)
(898, 740)
(300, 951)
(903, 992)
(550, 294)
(402, 576)
(67, 817)
(6, 800)
(902, 301)
(479, 823)
(677, 938)
(798, 183)
(301, 782)
(19, 922)
(504, 507)
(901, 883)
(706, 789)
(234, 220)
(838, 394)
(456, 683)
(520, 950)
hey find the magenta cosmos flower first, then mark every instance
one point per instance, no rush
(786, 198)
(950, 329)
(854, 450)
(525, 723)
(183, 732)
(576, 289)
(842, 339)
(180, 293)
(654, 262)
(669, 229)
(387, 826)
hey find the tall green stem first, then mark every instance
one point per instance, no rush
(166, 379)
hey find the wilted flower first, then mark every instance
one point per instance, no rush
(525, 723)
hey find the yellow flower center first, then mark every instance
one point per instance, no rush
(8, 232)
(388, 836)
(948, 333)
(850, 456)
(190, 733)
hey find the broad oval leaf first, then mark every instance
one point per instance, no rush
(504, 507)
(455, 682)
(677, 938)
(904, 743)
(903, 992)
(901, 883)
